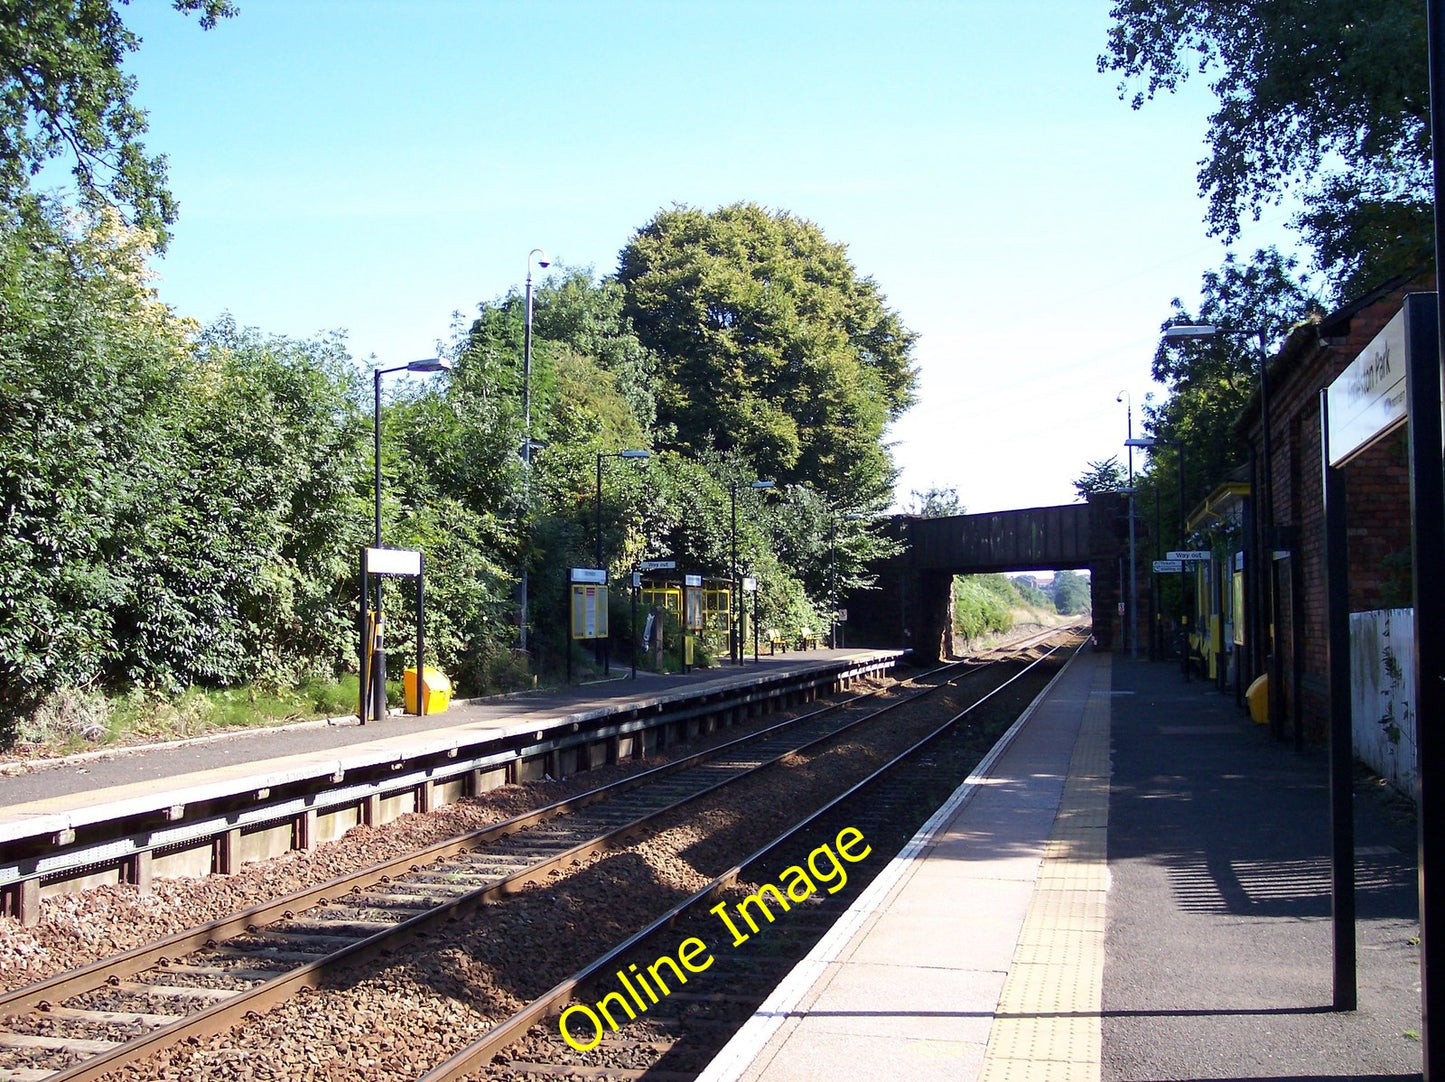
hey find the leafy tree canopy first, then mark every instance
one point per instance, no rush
(64, 95)
(937, 502)
(1211, 379)
(1326, 98)
(770, 345)
(1103, 476)
(1071, 592)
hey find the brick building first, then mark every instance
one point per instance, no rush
(1286, 623)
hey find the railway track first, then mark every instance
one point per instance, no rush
(89, 1023)
(677, 1039)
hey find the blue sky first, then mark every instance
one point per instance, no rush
(375, 166)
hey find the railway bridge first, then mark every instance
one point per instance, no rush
(911, 602)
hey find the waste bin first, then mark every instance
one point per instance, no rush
(1258, 699)
(436, 691)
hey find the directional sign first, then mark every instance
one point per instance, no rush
(1196, 555)
(657, 565)
(1164, 567)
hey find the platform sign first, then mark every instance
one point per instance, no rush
(1168, 567)
(692, 580)
(596, 576)
(380, 561)
(657, 565)
(749, 584)
(1367, 399)
(1187, 555)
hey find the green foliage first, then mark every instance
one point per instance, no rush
(1328, 99)
(1105, 476)
(65, 95)
(1031, 594)
(1210, 380)
(184, 507)
(936, 502)
(1071, 592)
(983, 604)
(771, 348)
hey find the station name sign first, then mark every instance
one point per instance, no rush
(1367, 399)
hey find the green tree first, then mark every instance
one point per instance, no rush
(1211, 379)
(88, 360)
(1102, 476)
(770, 346)
(1071, 592)
(64, 95)
(936, 502)
(1328, 99)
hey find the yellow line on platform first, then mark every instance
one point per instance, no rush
(1048, 1025)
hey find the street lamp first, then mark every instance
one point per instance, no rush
(833, 519)
(1123, 396)
(527, 445)
(427, 364)
(642, 455)
(734, 631)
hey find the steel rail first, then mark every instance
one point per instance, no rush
(476, 1055)
(221, 1015)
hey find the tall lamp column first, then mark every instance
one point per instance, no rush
(735, 643)
(1123, 396)
(641, 455)
(378, 664)
(527, 445)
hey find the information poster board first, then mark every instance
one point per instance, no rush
(589, 602)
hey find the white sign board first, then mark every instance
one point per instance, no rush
(657, 565)
(1165, 567)
(595, 575)
(1196, 555)
(692, 580)
(1367, 399)
(749, 584)
(393, 562)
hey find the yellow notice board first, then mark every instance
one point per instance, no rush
(589, 611)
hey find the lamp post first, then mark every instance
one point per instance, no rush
(527, 446)
(641, 455)
(833, 520)
(427, 364)
(1264, 653)
(734, 632)
(1123, 396)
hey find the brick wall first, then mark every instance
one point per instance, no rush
(1377, 499)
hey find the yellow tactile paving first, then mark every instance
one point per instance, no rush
(1047, 1026)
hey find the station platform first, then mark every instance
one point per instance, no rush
(59, 794)
(1134, 885)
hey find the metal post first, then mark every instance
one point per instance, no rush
(378, 668)
(833, 581)
(527, 441)
(1427, 517)
(1342, 814)
(734, 646)
(1133, 565)
(1432, 865)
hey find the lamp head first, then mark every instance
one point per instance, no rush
(1190, 330)
(762, 484)
(430, 364)
(634, 454)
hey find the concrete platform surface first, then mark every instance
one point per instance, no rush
(1134, 886)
